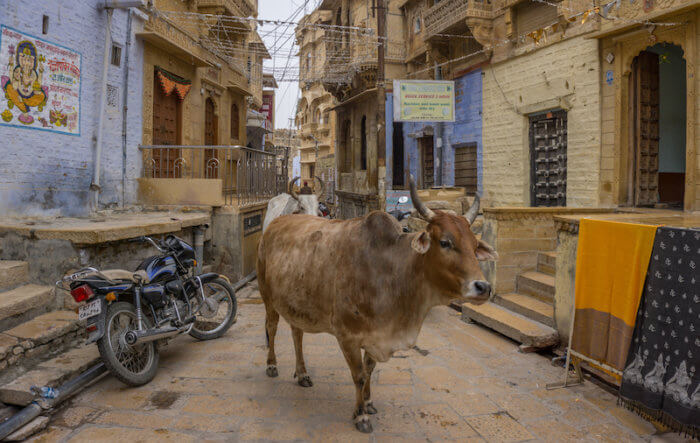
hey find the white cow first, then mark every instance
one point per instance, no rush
(292, 203)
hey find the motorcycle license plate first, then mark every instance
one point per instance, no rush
(90, 310)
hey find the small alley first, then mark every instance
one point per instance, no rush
(462, 382)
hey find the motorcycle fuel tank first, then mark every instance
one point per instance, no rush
(159, 268)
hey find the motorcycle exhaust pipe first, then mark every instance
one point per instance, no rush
(137, 337)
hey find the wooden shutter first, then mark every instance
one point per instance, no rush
(211, 164)
(646, 128)
(165, 132)
(428, 162)
(531, 15)
(465, 167)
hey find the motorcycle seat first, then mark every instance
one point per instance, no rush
(139, 276)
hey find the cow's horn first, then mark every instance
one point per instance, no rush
(424, 212)
(291, 187)
(320, 182)
(473, 210)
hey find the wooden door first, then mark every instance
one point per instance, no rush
(398, 181)
(548, 141)
(465, 167)
(166, 131)
(645, 133)
(211, 163)
(427, 162)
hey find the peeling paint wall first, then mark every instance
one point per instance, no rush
(46, 173)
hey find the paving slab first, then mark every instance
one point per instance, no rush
(49, 373)
(23, 298)
(29, 429)
(467, 383)
(519, 328)
(536, 284)
(527, 306)
(6, 344)
(45, 327)
(13, 273)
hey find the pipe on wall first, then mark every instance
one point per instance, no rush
(125, 103)
(95, 185)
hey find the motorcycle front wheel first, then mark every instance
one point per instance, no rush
(218, 312)
(133, 365)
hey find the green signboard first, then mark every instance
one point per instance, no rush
(424, 101)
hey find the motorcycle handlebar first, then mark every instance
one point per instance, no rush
(144, 238)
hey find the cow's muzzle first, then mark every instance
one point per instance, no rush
(479, 292)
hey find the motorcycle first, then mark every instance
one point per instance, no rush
(399, 214)
(131, 314)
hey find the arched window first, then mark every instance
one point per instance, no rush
(317, 116)
(363, 145)
(235, 121)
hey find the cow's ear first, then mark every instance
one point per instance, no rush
(421, 243)
(484, 252)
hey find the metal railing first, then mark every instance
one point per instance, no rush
(248, 176)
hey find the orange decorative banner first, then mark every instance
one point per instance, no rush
(169, 82)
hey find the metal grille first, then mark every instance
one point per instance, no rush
(548, 159)
(248, 176)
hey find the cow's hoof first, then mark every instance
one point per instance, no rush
(369, 408)
(271, 371)
(363, 424)
(305, 381)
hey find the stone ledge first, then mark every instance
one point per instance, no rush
(522, 212)
(102, 229)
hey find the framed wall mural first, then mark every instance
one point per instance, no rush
(40, 83)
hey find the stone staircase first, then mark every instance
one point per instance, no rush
(40, 340)
(526, 316)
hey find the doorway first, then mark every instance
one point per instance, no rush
(426, 147)
(657, 130)
(211, 163)
(166, 131)
(398, 181)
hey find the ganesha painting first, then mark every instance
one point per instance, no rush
(23, 87)
(40, 83)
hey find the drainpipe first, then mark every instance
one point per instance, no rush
(95, 185)
(125, 103)
(38, 406)
(438, 138)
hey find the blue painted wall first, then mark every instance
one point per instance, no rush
(46, 173)
(465, 129)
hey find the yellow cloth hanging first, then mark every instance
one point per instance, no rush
(611, 265)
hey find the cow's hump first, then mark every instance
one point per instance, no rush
(381, 228)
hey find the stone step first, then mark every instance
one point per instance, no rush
(536, 284)
(39, 338)
(49, 373)
(530, 307)
(21, 304)
(547, 263)
(13, 273)
(529, 333)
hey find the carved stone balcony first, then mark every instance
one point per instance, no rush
(237, 8)
(450, 15)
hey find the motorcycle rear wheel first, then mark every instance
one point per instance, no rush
(210, 325)
(133, 365)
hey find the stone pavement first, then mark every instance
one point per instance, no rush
(462, 383)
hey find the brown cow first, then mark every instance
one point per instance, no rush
(367, 283)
